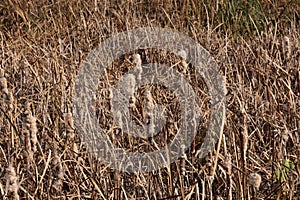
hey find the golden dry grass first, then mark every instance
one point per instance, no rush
(256, 45)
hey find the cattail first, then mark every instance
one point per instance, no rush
(224, 85)
(287, 47)
(137, 60)
(228, 164)
(12, 181)
(130, 89)
(149, 100)
(69, 125)
(59, 171)
(244, 134)
(30, 130)
(33, 131)
(119, 121)
(151, 128)
(4, 92)
(138, 66)
(10, 99)
(69, 122)
(130, 80)
(182, 54)
(182, 161)
(254, 180)
(3, 87)
(28, 146)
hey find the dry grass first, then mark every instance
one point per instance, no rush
(42, 44)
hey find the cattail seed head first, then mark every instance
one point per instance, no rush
(3, 86)
(30, 130)
(119, 121)
(228, 163)
(244, 133)
(28, 146)
(182, 54)
(10, 99)
(149, 100)
(254, 180)
(12, 180)
(138, 67)
(245, 142)
(151, 128)
(4, 92)
(59, 173)
(139, 71)
(33, 131)
(224, 84)
(137, 60)
(69, 122)
(130, 84)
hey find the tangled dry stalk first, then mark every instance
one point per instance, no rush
(256, 45)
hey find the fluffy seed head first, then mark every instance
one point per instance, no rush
(149, 100)
(3, 85)
(12, 179)
(151, 128)
(254, 180)
(10, 98)
(130, 84)
(137, 60)
(31, 130)
(119, 119)
(228, 163)
(11, 173)
(138, 73)
(182, 54)
(138, 66)
(59, 171)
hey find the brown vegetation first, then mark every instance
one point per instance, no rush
(256, 45)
